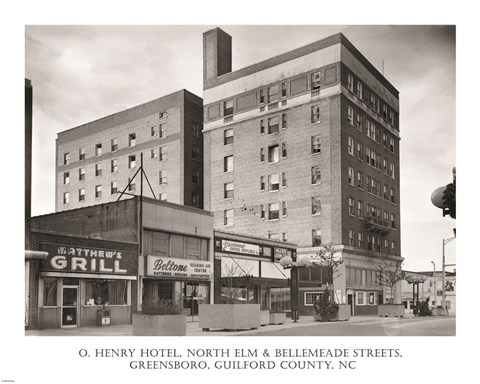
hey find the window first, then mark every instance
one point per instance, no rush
(114, 144)
(351, 206)
(195, 199)
(228, 191)
(385, 166)
(131, 161)
(360, 240)
(360, 180)
(262, 183)
(385, 191)
(98, 191)
(351, 176)
(284, 120)
(163, 196)
(392, 170)
(131, 184)
(262, 211)
(228, 136)
(316, 79)
(81, 194)
(196, 129)
(284, 90)
(273, 182)
(284, 179)
(49, 292)
(392, 145)
(195, 152)
(284, 236)
(98, 170)
(284, 208)
(359, 90)
(163, 131)
(113, 188)
(81, 174)
(350, 145)
(273, 211)
(360, 209)
(385, 140)
(228, 164)
(359, 122)
(392, 247)
(316, 237)
(163, 177)
(66, 158)
(350, 82)
(262, 155)
(359, 150)
(273, 154)
(316, 205)
(112, 291)
(273, 126)
(368, 127)
(66, 198)
(391, 117)
(163, 153)
(386, 244)
(153, 131)
(66, 178)
(316, 144)
(262, 127)
(350, 115)
(228, 108)
(114, 165)
(273, 93)
(360, 298)
(351, 237)
(273, 236)
(384, 111)
(162, 115)
(392, 221)
(386, 215)
(316, 174)
(81, 154)
(262, 96)
(153, 153)
(98, 149)
(195, 176)
(315, 114)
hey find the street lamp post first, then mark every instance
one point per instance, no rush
(434, 288)
(444, 241)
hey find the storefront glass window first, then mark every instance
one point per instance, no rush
(158, 292)
(280, 299)
(111, 292)
(50, 292)
(193, 295)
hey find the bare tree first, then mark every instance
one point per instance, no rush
(331, 258)
(388, 275)
(233, 281)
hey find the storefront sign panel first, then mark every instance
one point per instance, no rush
(179, 268)
(66, 258)
(237, 247)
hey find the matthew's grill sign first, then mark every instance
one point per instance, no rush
(179, 268)
(65, 258)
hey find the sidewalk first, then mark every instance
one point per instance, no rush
(194, 330)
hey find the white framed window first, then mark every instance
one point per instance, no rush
(163, 177)
(351, 206)
(351, 237)
(153, 131)
(315, 113)
(98, 149)
(98, 169)
(385, 192)
(316, 80)
(131, 161)
(392, 145)
(66, 178)
(350, 115)
(273, 125)
(392, 170)
(273, 154)
(81, 154)
(228, 164)
(372, 298)
(273, 182)
(273, 211)
(114, 144)
(262, 127)
(261, 96)
(114, 165)
(316, 237)
(113, 188)
(351, 176)
(81, 194)
(284, 150)
(195, 176)
(311, 297)
(359, 90)
(163, 196)
(392, 195)
(360, 240)
(284, 90)
(284, 179)
(228, 191)
(98, 191)
(163, 130)
(66, 198)
(392, 247)
(66, 158)
(153, 153)
(360, 298)
(195, 152)
(316, 174)
(284, 208)
(163, 153)
(273, 93)
(228, 108)
(228, 217)
(350, 82)
(262, 211)
(262, 155)
(359, 122)
(350, 145)
(393, 221)
(360, 208)
(284, 120)
(359, 151)
(316, 144)
(316, 205)
(228, 136)
(360, 180)
(81, 174)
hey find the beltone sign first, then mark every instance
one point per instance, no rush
(179, 268)
(65, 258)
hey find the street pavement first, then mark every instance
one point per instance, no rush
(356, 326)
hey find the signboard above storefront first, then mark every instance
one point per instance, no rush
(67, 258)
(168, 267)
(238, 247)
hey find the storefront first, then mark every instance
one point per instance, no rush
(247, 271)
(84, 286)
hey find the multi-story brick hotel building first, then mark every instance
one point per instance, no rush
(304, 147)
(96, 161)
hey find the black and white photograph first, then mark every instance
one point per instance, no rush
(221, 198)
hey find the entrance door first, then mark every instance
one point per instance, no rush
(69, 306)
(350, 302)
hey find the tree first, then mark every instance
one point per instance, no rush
(326, 308)
(330, 258)
(233, 281)
(449, 200)
(388, 275)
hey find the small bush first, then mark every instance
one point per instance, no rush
(424, 308)
(326, 308)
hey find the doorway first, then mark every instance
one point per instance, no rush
(350, 302)
(69, 306)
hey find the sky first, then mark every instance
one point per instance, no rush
(82, 73)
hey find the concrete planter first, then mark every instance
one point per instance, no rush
(228, 316)
(264, 318)
(159, 325)
(391, 310)
(343, 314)
(277, 318)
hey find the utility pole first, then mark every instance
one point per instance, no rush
(435, 289)
(444, 241)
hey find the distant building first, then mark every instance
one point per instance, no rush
(304, 147)
(96, 161)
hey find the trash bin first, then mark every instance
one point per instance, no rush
(103, 318)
